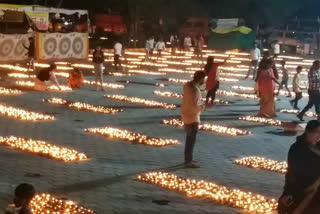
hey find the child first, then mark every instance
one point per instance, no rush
(23, 195)
(285, 79)
(296, 88)
(75, 79)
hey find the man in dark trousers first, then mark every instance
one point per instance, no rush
(190, 112)
(31, 53)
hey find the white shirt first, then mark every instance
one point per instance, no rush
(276, 49)
(191, 103)
(149, 44)
(117, 49)
(187, 42)
(160, 46)
(171, 38)
(255, 54)
(296, 83)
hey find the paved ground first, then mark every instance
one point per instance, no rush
(105, 183)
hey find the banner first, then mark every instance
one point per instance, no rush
(11, 47)
(62, 46)
(224, 24)
(41, 20)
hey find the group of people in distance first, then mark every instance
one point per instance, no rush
(187, 43)
(266, 77)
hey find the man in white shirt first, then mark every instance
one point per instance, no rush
(190, 113)
(187, 43)
(160, 46)
(255, 55)
(276, 49)
(117, 54)
(296, 88)
(149, 47)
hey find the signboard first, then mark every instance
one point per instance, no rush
(41, 20)
(11, 47)
(224, 24)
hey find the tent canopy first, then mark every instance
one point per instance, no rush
(242, 38)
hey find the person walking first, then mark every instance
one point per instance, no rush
(212, 84)
(276, 49)
(149, 47)
(187, 44)
(313, 90)
(31, 54)
(266, 85)
(190, 113)
(285, 79)
(301, 193)
(160, 46)
(98, 60)
(296, 89)
(255, 57)
(199, 43)
(262, 65)
(117, 48)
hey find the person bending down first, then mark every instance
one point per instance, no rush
(23, 194)
(45, 75)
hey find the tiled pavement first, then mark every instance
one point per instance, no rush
(105, 183)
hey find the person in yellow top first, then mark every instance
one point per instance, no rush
(296, 88)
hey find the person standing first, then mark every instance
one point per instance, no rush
(160, 46)
(187, 44)
(285, 79)
(266, 86)
(276, 49)
(199, 43)
(190, 113)
(296, 89)
(98, 60)
(301, 189)
(31, 54)
(313, 91)
(117, 48)
(255, 57)
(212, 84)
(149, 47)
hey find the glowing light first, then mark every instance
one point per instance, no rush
(21, 76)
(132, 137)
(179, 96)
(22, 114)
(46, 203)
(293, 111)
(14, 68)
(83, 106)
(30, 84)
(219, 194)
(7, 91)
(263, 164)
(228, 79)
(137, 100)
(234, 94)
(262, 120)
(105, 84)
(43, 149)
(172, 70)
(144, 72)
(210, 128)
(180, 81)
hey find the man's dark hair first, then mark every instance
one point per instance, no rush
(312, 125)
(299, 68)
(198, 75)
(25, 191)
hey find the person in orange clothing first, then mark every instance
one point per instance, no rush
(75, 79)
(266, 85)
(212, 84)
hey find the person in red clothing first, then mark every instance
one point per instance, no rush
(212, 84)
(266, 86)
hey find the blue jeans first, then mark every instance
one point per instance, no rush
(191, 130)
